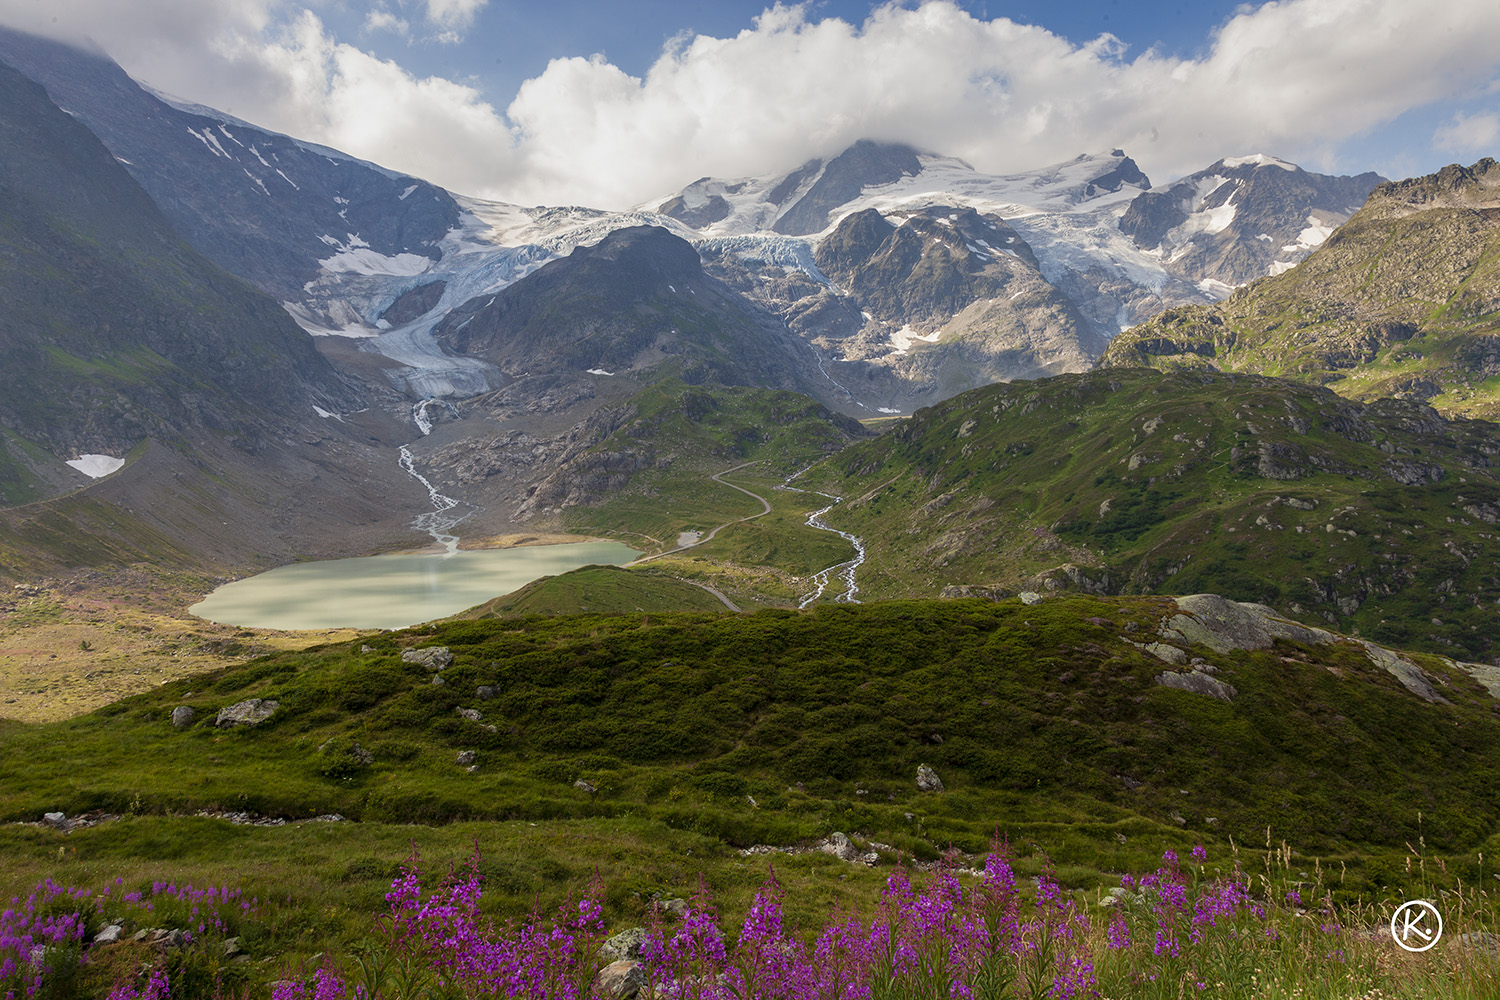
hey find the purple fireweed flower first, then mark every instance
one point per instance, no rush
(1200, 853)
(1118, 936)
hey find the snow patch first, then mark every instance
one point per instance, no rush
(903, 338)
(256, 153)
(407, 193)
(288, 180)
(885, 409)
(97, 466)
(325, 414)
(259, 183)
(1259, 160)
(362, 260)
(597, 371)
(1215, 289)
(1280, 267)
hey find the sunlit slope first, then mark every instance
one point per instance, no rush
(1378, 517)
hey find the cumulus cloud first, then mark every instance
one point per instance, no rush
(1293, 78)
(384, 20)
(1296, 78)
(1467, 134)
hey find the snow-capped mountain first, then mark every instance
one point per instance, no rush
(909, 276)
(1243, 217)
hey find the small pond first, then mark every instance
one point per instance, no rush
(394, 591)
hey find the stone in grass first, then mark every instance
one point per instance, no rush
(431, 657)
(182, 716)
(927, 779)
(585, 786)
(1030, 597)
(624, 945)
(232, 947)
(250, 712)
(109, 935)
(467, 757)
(1198, 683)
(56, 820)
(622, 979)
(472, 714)
(485, 692)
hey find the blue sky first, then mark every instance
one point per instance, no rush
(509, 41)
(616, 103)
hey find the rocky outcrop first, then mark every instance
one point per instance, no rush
(431, 657)
(250, 712)
(927, 779)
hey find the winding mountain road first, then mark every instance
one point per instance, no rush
(765, 504)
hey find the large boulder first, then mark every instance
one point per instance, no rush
(927, 779)
(250, 712)
(622, 979)
(182, 716)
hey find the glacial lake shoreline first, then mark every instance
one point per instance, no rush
(394, 590)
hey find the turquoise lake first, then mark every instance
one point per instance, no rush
(393, 591)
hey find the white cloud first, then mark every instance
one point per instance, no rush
(1468, 134)
(1292, 78)
(1296, 78)
(384, 20)
(453, 13)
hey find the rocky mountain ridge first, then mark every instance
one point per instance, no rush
(1404, 300)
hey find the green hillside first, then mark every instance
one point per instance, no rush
(1045, 718)
(1377, 518)
(608, 590)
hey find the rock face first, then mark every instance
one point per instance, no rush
(927, 779)
(260, 204)
(431, 657)
(250, 712)
(182, 716)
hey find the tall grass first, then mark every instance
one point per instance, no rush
(1198, 926)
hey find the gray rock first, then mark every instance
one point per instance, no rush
(431, 657)
(437, 680)
(367, 649)
(622, 979)
(232, 947)
(676, 907)
(624, 945)
(1223, 625)
(472, 714)
(1163, 652)
(1408, 673)
(1198, 683)
(585, 786)
(467, 757)
(485, 692)
(182, 716)
(109, 935)
(1030, 597)
(56, 820)
(927, 779)
(250, 712)
(839, 845)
